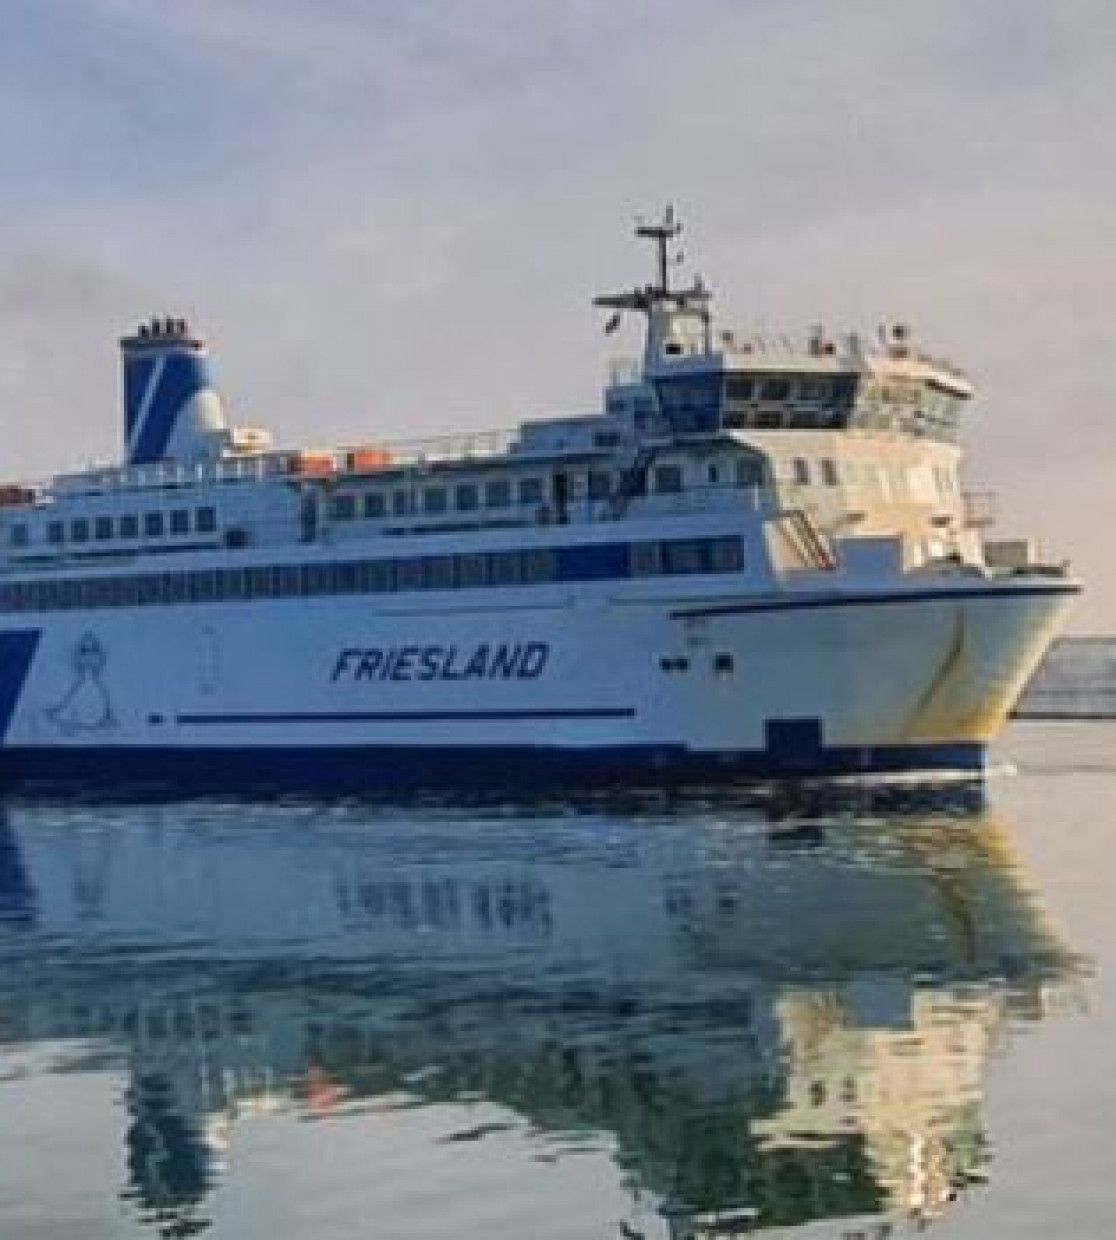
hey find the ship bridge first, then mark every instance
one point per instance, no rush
(693, 380)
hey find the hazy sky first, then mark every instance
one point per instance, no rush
(389, 218)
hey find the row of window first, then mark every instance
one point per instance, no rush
(126, 526)
(498, 493)
(898, 482)
(431, 572)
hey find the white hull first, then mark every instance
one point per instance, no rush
(795, 682)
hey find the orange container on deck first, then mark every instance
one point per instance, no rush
(367, 460)
(12, 496)
(313, 464)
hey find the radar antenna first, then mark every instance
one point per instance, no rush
(650, 296)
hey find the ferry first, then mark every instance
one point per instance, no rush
(756, 560)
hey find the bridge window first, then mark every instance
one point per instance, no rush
(102, 529)
(739, 388)
(19, 536)
(79, 530)
(400, 503)
(56, 533)
(374, 504)
(153, 524)
(465, 497)
(775, 389)
(180, 521)
(205, 520)
(434, 500)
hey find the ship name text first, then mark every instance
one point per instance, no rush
(488, 661)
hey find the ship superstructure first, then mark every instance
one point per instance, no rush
(756, 559)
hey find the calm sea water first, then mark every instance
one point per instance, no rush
(699, 1017)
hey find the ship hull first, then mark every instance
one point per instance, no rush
(599, 687)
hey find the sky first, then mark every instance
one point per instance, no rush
(389, 219)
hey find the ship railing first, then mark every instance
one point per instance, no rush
(464, 445)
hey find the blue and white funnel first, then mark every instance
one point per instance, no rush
(171, 409)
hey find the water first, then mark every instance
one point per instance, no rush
(697, 1017)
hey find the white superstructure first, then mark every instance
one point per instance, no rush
(757, 559)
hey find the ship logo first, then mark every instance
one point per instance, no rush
(85, 706)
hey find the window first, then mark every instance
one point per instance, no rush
(775, 389)
(79, 530)
(800, 471)
(153, 524)
(813, 389)
(645, 559)
(723, 663)
(465, 497)
(668, 479)
(437, 573)
(685, 557)
(400, 503)
(379, 576)
(319, 578)
(539, 566)
(829, 472)
(343, 507)
(497, 493)
(56, 533)
(375, 504)
(530, 491)
(726, 555)
(346, 578)
(180, 521)
(205, 520)
(19, 536)
(503, 568)
(408, 574)
(102, 529)
(600, 484)
(434, 499)
(472, 570)
(749, 472)
(739, 387)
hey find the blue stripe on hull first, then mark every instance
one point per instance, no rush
(17, 649)
(414, 768)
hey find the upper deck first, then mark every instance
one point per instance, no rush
(706, 420)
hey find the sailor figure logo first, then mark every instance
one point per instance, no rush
(85, 706)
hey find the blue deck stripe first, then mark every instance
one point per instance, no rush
(17, 649)
(409, 716)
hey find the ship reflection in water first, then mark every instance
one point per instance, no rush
(751, 1022)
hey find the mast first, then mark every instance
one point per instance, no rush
(658, 301)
